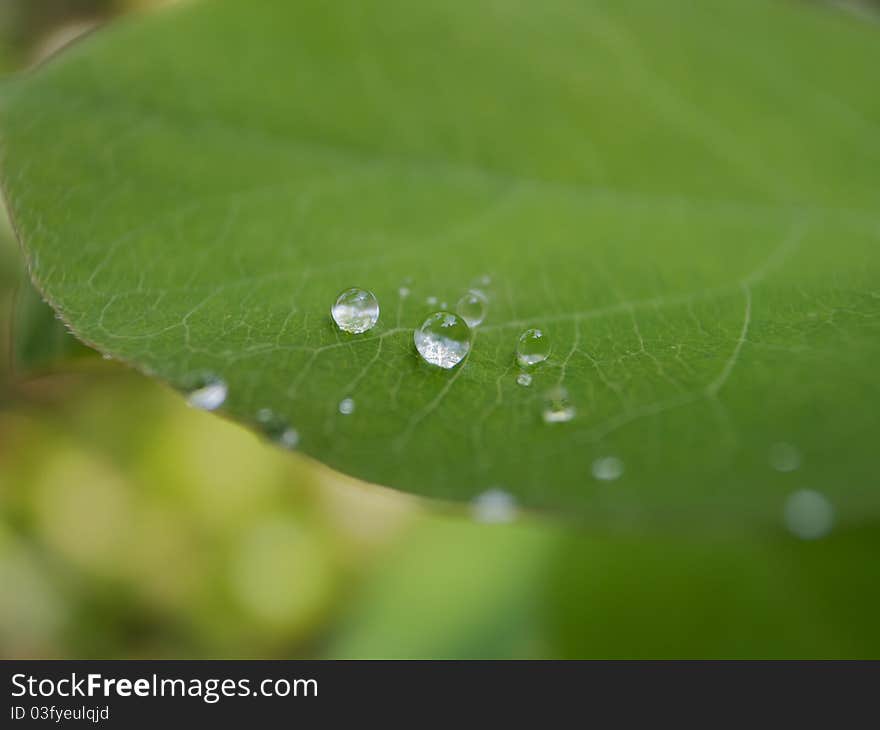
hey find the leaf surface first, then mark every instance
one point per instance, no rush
(682, 196)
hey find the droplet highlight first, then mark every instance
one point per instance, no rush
(808, 514)
(784, 457)
(355, 311)
(557, 407)
(524, 379)
(472, 307)
(494, 506)
(208, 392)
(443, 339)
(532, 347)
(607, 468)
(277, 429)
(346, 406)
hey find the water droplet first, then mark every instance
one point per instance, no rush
(557, 408)
(106, 356)
(346, 406)
(403, 292)
(532, 347)
(524, 379)
(277, 429)
(494, 506)
(431, 301)
(784, 457)
(443, 339)
(208, 392)
(472, 307)
(607, 468)
(808, 514)
(355, 311)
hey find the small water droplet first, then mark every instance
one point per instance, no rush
(355, 311)
(808, 514)
(784, 457)
(472, 307)
(524, 379)
(607, 468)
(277, 429)
(346, 406)
(532, 347)
(431, 301)
(557, 408)
(207, 393)
(403, 292)
(494, 506)
(443, 339)
(106, 356)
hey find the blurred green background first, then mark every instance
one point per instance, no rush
(132, 526)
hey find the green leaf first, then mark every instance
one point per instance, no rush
(683, 196)
(39, 339)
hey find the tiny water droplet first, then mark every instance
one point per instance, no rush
(443, 339)
(346, 406)
(431, 301)
(472, 307)
(557, 408)
(207, 393)
(106, 356)
(532, 347)
(494, 506)
(607, 468)
(524, 379)
(355, 311)
(784, 457)
(808, 514)
(403, 292)
(277, 429)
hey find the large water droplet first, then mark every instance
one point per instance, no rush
(784, 457)
(532, 347)
(472, 307)
(808, 514)
(607, 468)
(277, 429)
(443, 339)
(207, 393)
(557, 408)
(355, 311)
(494, 506)
(524, 379)
(346, 406)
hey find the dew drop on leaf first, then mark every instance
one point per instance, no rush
(494, 506)
(443, 339)
(355, 311)
(524, 379)
(532, 347)
(472, 307)
(346, 406)
(557, 407)
(607, 468)
(207, 393)
(277, 429)
(808, 514)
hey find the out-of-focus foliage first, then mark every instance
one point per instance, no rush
(132, 526)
